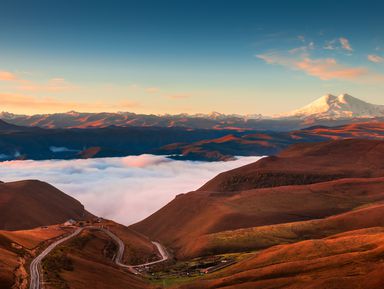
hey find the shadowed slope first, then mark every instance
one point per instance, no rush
(29, 204)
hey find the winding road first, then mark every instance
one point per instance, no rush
(35, 282)
(120, 253)
(35, 264)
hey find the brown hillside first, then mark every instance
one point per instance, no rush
(256, 238)
(352, 260)
(306, 163)
(15, 247)
(304, 182)
(195, 214)
(8, 263)
(29, 204)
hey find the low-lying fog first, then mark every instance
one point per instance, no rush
(124, 189)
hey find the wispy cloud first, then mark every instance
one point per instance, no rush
(341, 43)
(303, 49)
(53, 85)
(27, 96)
(322, 68)
(328, 68)
(126, 104)
(21, 102)
(22, 84)
(7, 76)
(375, 58)
(152, 89)
(301, 38)
(330, 45)
(345, 44)
(11, 100)
(178, 96)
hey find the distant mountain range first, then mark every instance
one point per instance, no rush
(328, 110)
(211, 137)
(20, 142)
(75, 119)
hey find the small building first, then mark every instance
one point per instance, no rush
(99, 220)
(70, 222)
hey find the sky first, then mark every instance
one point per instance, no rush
(187, 56)
(98, 183)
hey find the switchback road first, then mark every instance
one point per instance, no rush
(35, 282)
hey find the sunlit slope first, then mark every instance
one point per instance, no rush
(316, 181)
(350, 260)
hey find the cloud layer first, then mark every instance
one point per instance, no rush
(124, 189)
(322, 68)
(310, 58)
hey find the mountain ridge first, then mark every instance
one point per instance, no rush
(343, 108)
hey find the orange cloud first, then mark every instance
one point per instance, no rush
(178, 96)
(323, 68)
(328, 68)
(126, 104)
(7, 76)
(152, 89)
(375, 58)
(18, 100)
(53, 85)
(23, 103)
(345, 44)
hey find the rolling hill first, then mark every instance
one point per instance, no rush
(306, 163)
(29, 204)
(348, 260)
(32, 214)
(304, 182)
(309, 217)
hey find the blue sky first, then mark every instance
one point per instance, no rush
(187, 56)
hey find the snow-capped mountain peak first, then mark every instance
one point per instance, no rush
(335, 107)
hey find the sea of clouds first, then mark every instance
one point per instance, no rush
(125, 189)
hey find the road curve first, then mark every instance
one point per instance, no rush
(162, 253)
(120, 254)
(35, 264)
(118, 259)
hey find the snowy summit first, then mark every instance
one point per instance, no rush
(337, 107)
